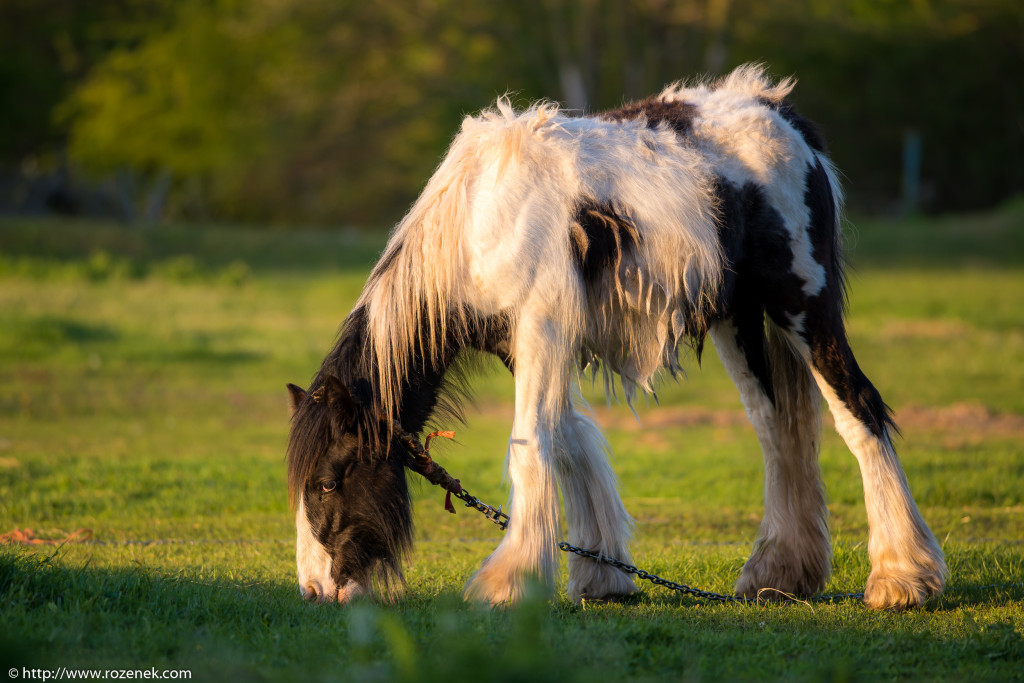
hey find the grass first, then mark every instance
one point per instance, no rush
(142, 396)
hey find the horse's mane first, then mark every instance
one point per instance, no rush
(411, 299)
(749, 81)
(439, 387)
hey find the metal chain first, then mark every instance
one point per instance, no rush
(491, 513)
(647, 576)
(435, 474)
(502, 520)
(682, 587)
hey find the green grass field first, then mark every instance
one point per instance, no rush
(142, 397)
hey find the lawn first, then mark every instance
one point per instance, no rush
(142, 397)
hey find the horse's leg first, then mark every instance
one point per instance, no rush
(597, 519)
(907, 566)
(792, 553)
(542, 361)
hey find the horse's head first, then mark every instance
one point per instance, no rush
(353, 512)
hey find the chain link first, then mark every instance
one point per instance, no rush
(491, 513)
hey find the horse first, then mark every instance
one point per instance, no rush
(557, 242)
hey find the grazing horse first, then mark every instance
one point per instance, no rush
(555, 242)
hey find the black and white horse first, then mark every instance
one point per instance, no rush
(556, 241)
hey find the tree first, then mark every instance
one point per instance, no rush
(318, 110)
(337, 110)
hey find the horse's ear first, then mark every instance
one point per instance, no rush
(295, 394)
(339, 398)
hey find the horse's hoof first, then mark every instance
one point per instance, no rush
(771, 573)
(893, 592)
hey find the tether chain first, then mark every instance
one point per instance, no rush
(688, 590)
(647, 576)
(421, 463)
(491, 513)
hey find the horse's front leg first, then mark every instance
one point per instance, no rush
(529, 549)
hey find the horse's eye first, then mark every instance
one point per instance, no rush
(330, 486)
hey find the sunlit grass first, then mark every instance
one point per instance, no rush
(142, 396)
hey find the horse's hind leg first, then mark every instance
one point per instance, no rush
(597, 519)
(792, 553)
(907, 566)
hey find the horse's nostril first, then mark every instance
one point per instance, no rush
(311, 591)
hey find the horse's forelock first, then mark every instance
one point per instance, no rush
(307, 441)
(318, 423)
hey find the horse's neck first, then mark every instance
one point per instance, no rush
(419, 395)
(419, 390)
(423, 387)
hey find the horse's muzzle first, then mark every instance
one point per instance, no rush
(313, 591)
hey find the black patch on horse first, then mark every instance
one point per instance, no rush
(758, 249)
(764, 265)
(833, 358)
(675, 114)
(600, 234)
(825, 333)
(740, 298)
(823, 228)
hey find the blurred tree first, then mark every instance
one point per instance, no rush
(46, 47)
(267, 109)
(43, 48)
(870, 71)
(337, 110)
(597, 53)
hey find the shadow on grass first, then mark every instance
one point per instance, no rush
(225, 627)
(135, 618)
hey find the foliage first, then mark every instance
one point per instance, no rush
(872, 71)
(327, 111)
(47, 47)
(268, 110)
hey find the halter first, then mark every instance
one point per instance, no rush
(420, 462)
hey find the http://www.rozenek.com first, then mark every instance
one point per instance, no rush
(66, 674)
